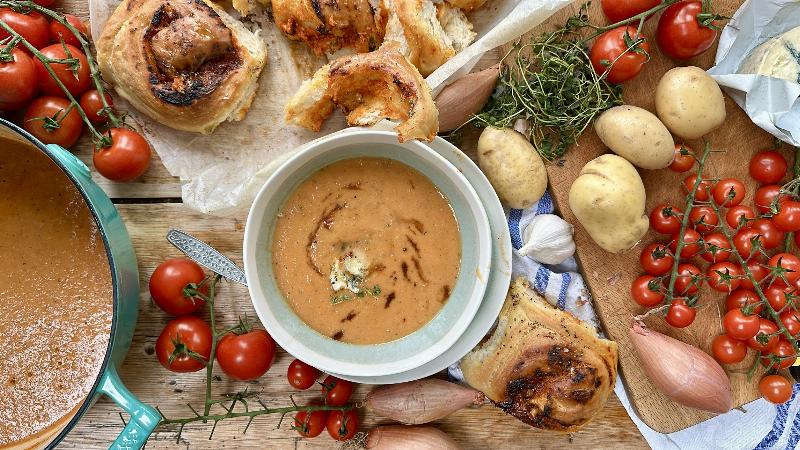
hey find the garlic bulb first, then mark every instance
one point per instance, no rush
(548, 239)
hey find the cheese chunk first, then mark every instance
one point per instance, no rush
(778, 57)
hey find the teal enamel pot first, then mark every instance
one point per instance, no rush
(125, 277)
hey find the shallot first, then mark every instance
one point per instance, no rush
(682, 372)
(466, 96)
(402, 437)
(421, 401)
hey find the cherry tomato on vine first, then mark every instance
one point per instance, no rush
(76, 81)
(33, 26)
(126, 159)
(680, 315)
(791, 320)
(246, 356)
(766, 338)
(729, 192)
(788, 216)
(768, 167)
(703, 191)
(740, 215)
(703, 218)
(310, 424)
(777, 296)
(185, 344)
(739, 325)
(789, 265)
(742, 297)
(727, 350)
(619, 10)
(758, 271)
(782, 354)
(692, 244)
(680, 33)
(169, 283)
(342, 425)
(59, 32)
(656, 259)
(684, 159)
(337, 392)
(665, 219)
(717, 248)
(724, 276)
(51, 120)
(745, 241)
(18, 78)
(689, 279)
(45, 3)
(643, 293)
(773, 236)
(616, 54)
(301, 375)
(765, 195)
(775, 389)
(92, 105)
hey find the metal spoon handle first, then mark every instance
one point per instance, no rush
(206, 256)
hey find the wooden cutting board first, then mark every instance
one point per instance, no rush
(609, 276)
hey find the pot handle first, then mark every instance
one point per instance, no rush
(67, 158)
(143, 418)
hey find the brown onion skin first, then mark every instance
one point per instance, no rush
(421, 401)
(682, 372)
(404, 437)
(458, 101)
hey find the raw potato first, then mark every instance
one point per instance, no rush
(637, 135)
(689, 102)
(513, 166)
(608, 199)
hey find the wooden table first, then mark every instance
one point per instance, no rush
(150, 207)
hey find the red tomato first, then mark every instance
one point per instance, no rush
(684, 158)
(742, 297)
(745, 241)
(47, 119)
(126, 159)
(768, 167)
(765, 195)
(729, 192)
(692, 244)
(342, 425)
(246, 356)
(31, 26)
(739, 216)
(337, 392)
(310, 425)
(766, 338)
(788, 216)
(775, 389)
(92, 105)
(656, 259)
(703, 218)
(680, 315)
(703, 191)
(780, 357)
(791, 320)
(717, 248)
(724, 276)
(18, 78)
(76, 82)
(758, 271)
(619, 10)
(689, 279)
(665, 219)
(612, 54)
(185, 344)
(680, 33)
(59, 31)
(301, 375)
(789, 265)
(773, 236)
(777, 296)
(645, 291)
(727, 350)
(739, 325)
(169, 284)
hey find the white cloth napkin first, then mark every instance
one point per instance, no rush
(763, 426)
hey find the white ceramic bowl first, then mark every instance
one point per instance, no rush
(409, 352)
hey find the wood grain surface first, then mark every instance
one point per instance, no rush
(150, 207)
(609, 276)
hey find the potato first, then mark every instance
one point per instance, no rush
(608, 199)
(637, 135)
(689, 102)
(513, 166)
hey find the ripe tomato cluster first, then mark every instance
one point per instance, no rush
(685, 29)
(341, 425)
(41, 65)
(763, 281)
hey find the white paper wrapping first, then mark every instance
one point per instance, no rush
(771, 103)
(221, 173)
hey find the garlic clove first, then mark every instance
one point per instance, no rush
(548, 239)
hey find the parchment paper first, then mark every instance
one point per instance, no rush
(771, 103)
(221, 173)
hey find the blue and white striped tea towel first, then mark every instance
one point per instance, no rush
(763, 426)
